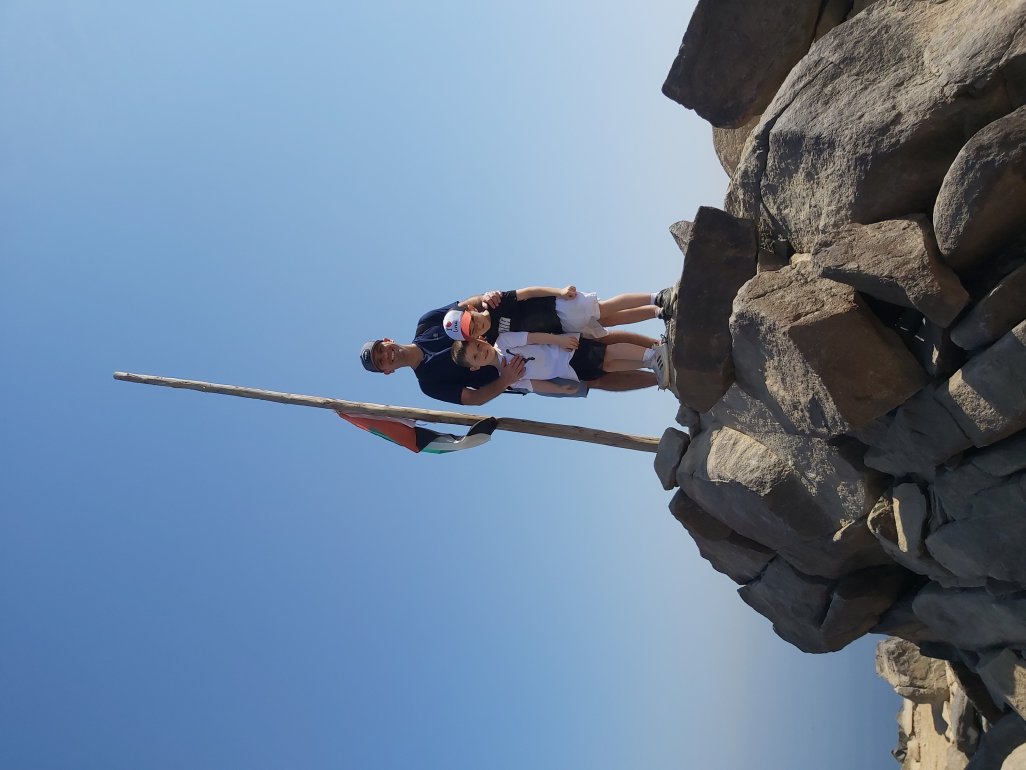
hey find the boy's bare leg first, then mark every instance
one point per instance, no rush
(623, 357)
(624, 302)
(630, 338)
(618, 382)
(628, 316)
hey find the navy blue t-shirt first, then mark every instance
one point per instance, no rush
(439, 376)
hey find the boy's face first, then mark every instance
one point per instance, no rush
(479, 323)
(479, 353)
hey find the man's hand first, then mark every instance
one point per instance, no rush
(570, 292)
(513, 371)
(567, 341)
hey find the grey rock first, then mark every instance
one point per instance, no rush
(730, 142)
(934, 349)
(1004, 673)
(896, 261)
(672, 446)
(997, 744)
(769, 260)
(987, 539)
(867, 124)
(752, 490)
(900, 620)
(736, 53)
(681, 232)
(735, 556)
(819, 615)
(911, 674)
(689, 419)
(884, 526)
(720, 258)
(922, 435)
(793, 602)
(994, 315)
(802, 497)
(852, 547)
(982, 202)
(811, 351)
(858, 6)
(910, 514)
(971, 618)
(696, 520)
(833, 13)
(859, 600)
(963, 720)
(987, 396)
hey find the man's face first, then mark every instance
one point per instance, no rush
(479, 353)
(388, 356)
(479, 323)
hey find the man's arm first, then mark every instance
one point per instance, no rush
(513, 371)
(487, 301)
(546, 291)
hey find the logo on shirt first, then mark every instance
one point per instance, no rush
(504, 324)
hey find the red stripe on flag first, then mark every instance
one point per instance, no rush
(400, 432)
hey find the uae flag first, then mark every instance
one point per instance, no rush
(409, 434)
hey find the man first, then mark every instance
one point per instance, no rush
(430, 357)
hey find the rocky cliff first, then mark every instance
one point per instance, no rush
(849, 333)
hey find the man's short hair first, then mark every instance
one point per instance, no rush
(367, 355)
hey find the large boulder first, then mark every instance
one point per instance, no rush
(811, 350)
(819, 615)
(921, 436)
(736, 53)
(973, 618)
(721, 256)
(987, 396)
(996, 314)
(729, 144)
(869, 121)
(980, 528)
(896, 261)
(982, 202)
(910, 673)
(735, 556)
(803, 497)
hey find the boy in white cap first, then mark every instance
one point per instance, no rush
(563, 356)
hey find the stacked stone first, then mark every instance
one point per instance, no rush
(849, 343)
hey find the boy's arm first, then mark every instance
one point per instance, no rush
(512, 372)
(546, 291)
(565, 341)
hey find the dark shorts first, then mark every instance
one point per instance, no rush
(587, 360)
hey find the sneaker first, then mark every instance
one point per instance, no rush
(661, 364)
(666, 300)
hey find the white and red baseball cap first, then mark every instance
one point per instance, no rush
(457, 324)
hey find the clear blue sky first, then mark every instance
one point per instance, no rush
(244, 192)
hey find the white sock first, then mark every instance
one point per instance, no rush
(649, 358)
(652, 297)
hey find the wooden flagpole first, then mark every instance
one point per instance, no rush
(513, 424)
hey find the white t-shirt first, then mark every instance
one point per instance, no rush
(542, 362)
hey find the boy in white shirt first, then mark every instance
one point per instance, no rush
(563, 356)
